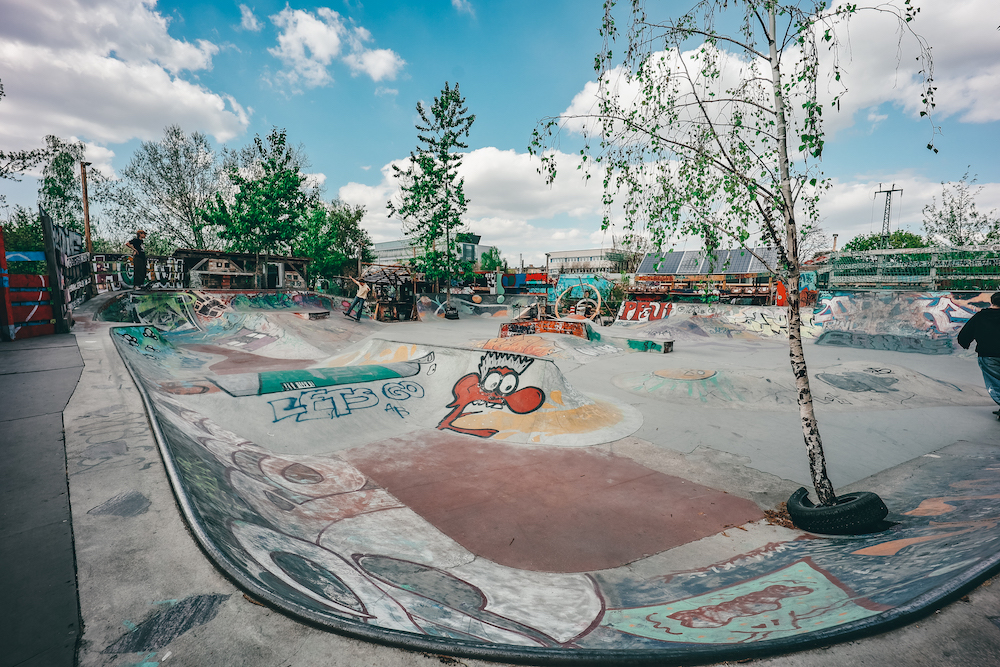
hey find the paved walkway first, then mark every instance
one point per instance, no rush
(39, 617)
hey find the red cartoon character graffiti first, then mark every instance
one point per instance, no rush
(494, 387)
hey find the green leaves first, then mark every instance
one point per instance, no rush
(267, 203)
(432, 197)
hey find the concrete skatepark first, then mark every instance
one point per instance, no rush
(596, 504)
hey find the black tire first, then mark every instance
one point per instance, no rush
(854, 514)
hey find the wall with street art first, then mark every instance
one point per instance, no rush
(921, 322)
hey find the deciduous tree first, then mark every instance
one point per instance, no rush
(60, 192)
(715, 133)
(957, 221)
(162, 189)
(264, 207)
(874, 241)
(334, 238)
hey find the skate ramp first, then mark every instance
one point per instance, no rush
(848, 386)
(440, 499)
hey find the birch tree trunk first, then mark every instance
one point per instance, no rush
(810, 429)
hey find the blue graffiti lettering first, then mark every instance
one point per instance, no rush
(323, 403)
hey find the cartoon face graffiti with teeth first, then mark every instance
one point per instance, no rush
(494, 387)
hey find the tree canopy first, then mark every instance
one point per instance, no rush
(333, 238)
(432, 199)
(957, 221)
(163, 188)
(898, 240)
(59, 191)
(265, 205)
(717, 134)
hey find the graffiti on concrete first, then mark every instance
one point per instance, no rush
(714, 320)
(475, 305)
(924, 322)
(342, 401)
(493, 387)
(888, 342)
(643, 311)
(879, 380)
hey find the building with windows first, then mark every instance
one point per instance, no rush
(398, 252)
(594, 260)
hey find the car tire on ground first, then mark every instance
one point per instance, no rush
(853, 514)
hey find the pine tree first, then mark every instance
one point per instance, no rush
(432, 196)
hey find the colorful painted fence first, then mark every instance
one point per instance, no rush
(35, 305)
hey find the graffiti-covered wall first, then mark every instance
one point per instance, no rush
(575, 283)
(475, 305)
(926, 322)
(114, 272)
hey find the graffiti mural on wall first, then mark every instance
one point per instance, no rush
(493, 388)
(521, 328)
(924, 322)
(114, 273)
(643, 311)
(712, 320)
(475, 305)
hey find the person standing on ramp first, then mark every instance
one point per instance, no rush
(359, 299)
(984, 328)
(138, 259)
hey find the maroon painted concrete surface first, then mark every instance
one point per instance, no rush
(548, 509)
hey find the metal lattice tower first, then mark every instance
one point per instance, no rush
(888, 209)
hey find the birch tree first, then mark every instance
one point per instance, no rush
(716, 133)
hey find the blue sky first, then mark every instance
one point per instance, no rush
(344, 78)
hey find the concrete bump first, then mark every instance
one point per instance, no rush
(160, 628)
(125, 504)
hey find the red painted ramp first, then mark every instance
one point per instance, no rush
(548, 509)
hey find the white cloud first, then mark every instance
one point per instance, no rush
(315, 181)
(309, 43)
(879, 66)
(463, 7)
(377, 63)
(106, 71)
(382, 91)
(248, 21)
(510, 205)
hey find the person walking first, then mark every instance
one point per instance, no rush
(138, 259)
(984, 328)
(359, 299)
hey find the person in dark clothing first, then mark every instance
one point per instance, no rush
(138, 259)
(984, 328)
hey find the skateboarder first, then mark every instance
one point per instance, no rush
(359, 299)
(138, 259)
(984, 328)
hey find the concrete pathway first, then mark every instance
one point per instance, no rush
(39, 617)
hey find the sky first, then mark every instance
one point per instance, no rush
(343, 78)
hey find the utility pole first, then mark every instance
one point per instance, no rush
(888, 209)
(86, 207)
